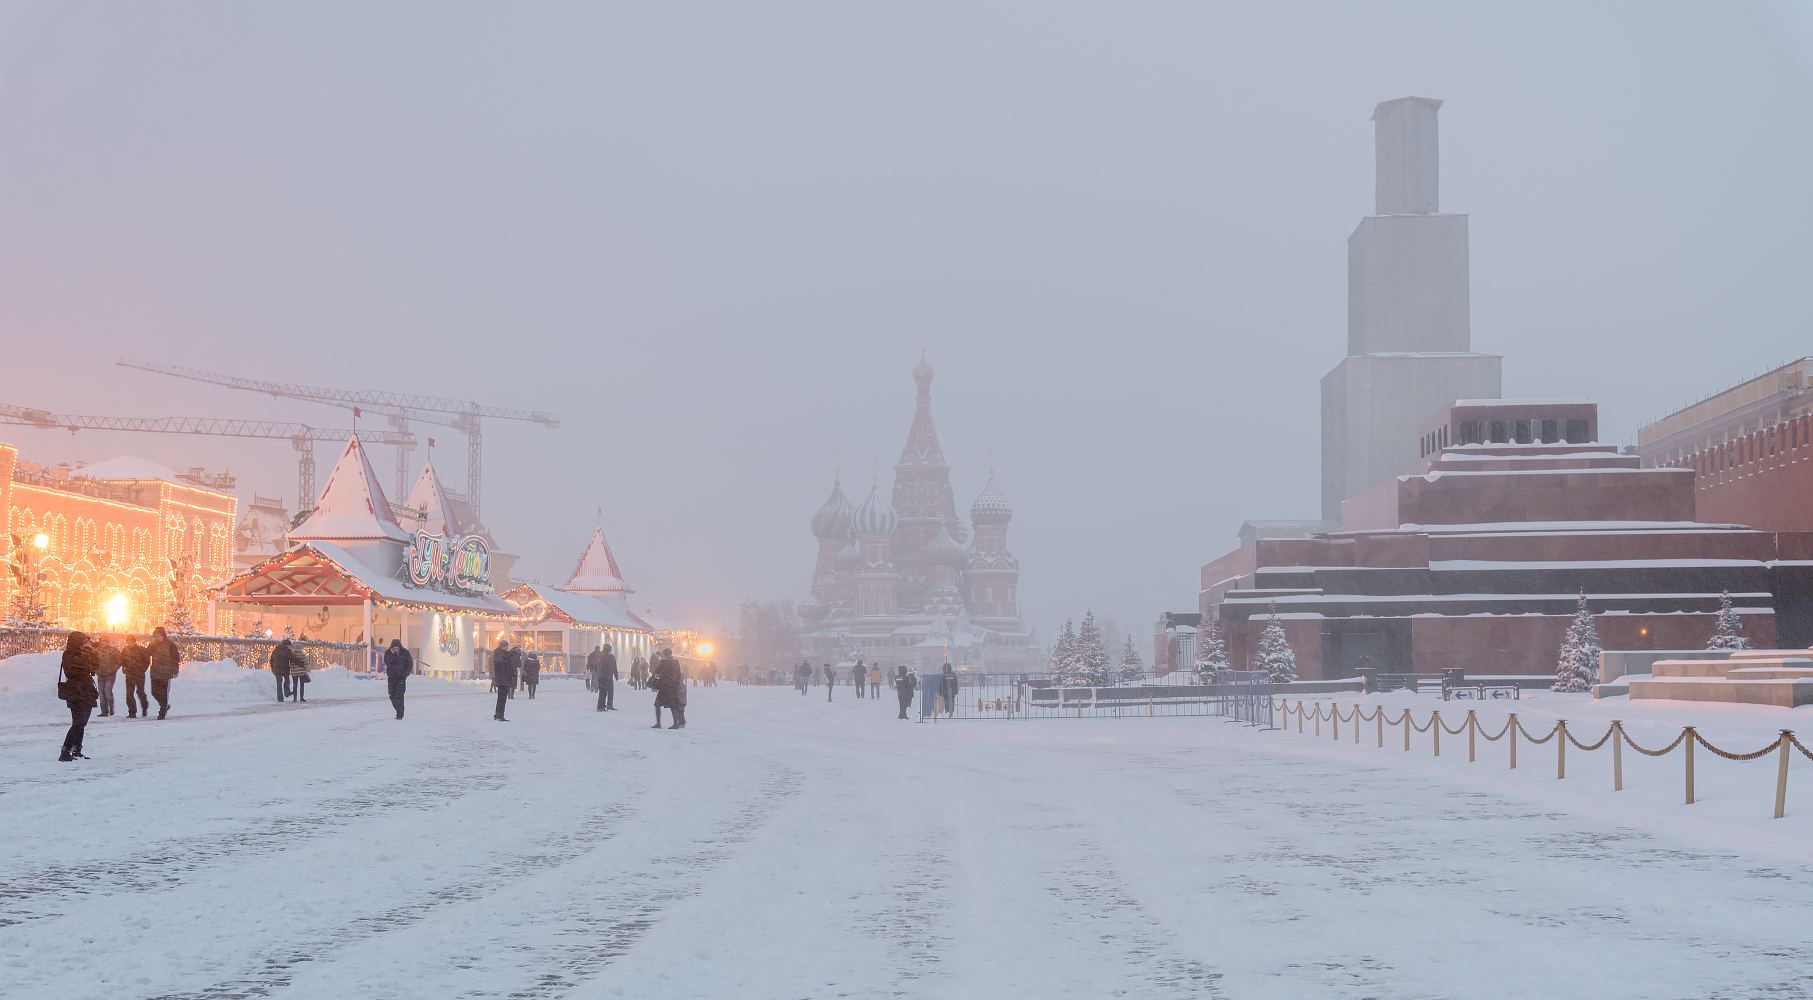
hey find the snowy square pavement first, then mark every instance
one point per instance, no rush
(782, 847)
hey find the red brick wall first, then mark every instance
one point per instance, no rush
(1529, 644)
(1303, 634)
(1605, 495)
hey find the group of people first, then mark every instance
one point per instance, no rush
(905, 683)
(290, 669)
(85, 679)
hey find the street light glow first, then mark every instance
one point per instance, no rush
(116, 609)
(40, 540)
(704, 649)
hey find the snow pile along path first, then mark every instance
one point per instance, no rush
(782, 847)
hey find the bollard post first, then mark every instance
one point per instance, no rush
(1689, 741)
(1513, 731)
(1472, 727)
(1617, 756)
(1149, 703)
(1334, 715)
(1560, 749)
(1406, 730)
(1380, 716)
(1356, 725)
(1318, 718)
(1435, 730)
(1299, 718)
(1781, 776)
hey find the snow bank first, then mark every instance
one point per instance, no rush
(28, 688)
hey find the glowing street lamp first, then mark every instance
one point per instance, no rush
(40, 541)
(116, 610)
(704, 649)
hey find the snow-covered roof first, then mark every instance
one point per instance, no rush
(126, 467)
(597, 572)
(1558, 401)
(585, 609)
(352, 506)
(430, 498)
(392, 589)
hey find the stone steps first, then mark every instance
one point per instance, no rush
(1783, 692)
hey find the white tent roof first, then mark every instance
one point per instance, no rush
(597, 572)
(352, 506)
(587, 610)
(126, 467)
(431, 499)
(394, 590)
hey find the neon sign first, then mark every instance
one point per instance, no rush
(454, 565)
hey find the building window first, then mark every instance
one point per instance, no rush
(1551, 431)
(1500, 432)
(1576, 432)
(1469, 432)
(1522, 431)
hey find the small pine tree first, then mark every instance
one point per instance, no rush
(289, 632)
(1274, 655)
(1730, 631)
(1211, 648)
(1063, 655)
(1091, 658)
(1131, 664)
(1577, 668)
(179, 621)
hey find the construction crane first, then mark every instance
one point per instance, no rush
(400, 408)
(302, 437)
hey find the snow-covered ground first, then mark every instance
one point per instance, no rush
(782, 847)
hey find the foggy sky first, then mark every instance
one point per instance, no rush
(714, 239)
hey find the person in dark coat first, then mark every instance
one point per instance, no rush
(669, 683)
(166, 663)
(947, 691)
(106, 665)
(134, 661)
(280, 668)
(531, 672)
(80, 694)
(904, 686)
(607, 678)
(802, 675)
(830, 681)
(503, 675)
(398, 665)
(859, 676)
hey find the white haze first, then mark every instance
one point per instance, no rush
(714, 238)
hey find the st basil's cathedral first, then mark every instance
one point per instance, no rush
(902, 580)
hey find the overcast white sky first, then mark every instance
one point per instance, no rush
(714, 238)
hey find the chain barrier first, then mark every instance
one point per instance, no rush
(1614, 734)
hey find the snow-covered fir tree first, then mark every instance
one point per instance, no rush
(289, 632)
(1730, 631)
(1063, 655)
(179, 621)
(1130, 663)
(1091, 658)
(1211, 648)
(1274, 655)
(1577, 668)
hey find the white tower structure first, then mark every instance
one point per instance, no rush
(1409, 348)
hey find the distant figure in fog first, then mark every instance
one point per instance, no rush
(638, 672)
(503, 675)
(607, 679)
(166, 663)
(859, 676)
(134, 661)
(802, 675)
(830, 681)
(531, 672)
(904, 686)
(947, 691)
(398, 665)
(75, 685)
(106, 665)
(875, 681)
(669, 683)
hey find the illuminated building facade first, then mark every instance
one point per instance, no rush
(119, 528)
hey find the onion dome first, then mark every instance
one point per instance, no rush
(922, 371)
(944, 550)
(833, 519)
(990, 506)
(812, 609)
(847, 557)
(876, 515)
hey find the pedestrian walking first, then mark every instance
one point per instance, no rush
(531, 672)
(875, 681)
(503, 675)
(607, 679)
(134, 661)
(802, 675)
(859, 676)
(398, 665)
(280, 668)
(904, 686)
(638, 672)
(166, 663)
(947, 691)
(669, 683)
(299, 668)
(75, 685)
(830, 681)
(106, 665)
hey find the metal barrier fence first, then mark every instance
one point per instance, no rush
(1243, 696)
(247, 652)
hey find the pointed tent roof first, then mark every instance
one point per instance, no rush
(352, 506)
(597, 572)
(428, 497)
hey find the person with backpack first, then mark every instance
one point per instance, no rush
(75, 686)
(503, 675)
(280, 668)
(166, 663)
(904, 686)
(134, 661)
(398, 665)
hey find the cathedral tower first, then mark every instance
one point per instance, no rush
(877, 576)
(922, 494)
(993, 573)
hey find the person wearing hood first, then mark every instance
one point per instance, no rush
(280, 668)
(606, 675)
(531, 672)
(669, 683)
(134, 661)
(503, 675)
(904, 686)
(398, 665)
(75, 685)
(947, 691)
(166, 663)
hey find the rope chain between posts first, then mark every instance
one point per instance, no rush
(1453, 732)
(1771, 748)
(1501, 732)
(1602, 739)
(1797, 745)
(1532, 739)
(1652, 753)
(1413, 725)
